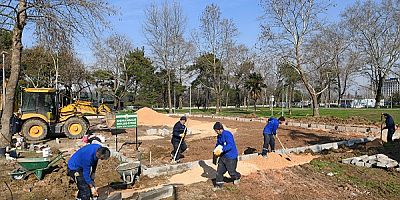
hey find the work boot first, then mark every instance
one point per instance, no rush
(217, 187)
(236, 181)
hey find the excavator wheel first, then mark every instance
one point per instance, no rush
(34, 129)
(75, 127)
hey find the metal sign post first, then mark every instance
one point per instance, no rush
(126, 121)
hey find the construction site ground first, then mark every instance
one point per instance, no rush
(302, 181)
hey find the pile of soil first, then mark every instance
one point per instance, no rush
(149, 117)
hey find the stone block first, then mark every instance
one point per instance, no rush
(364, 158)
(380, 156)
(301, 149)
(304, 125)
(313, 126)
(367, 164)
(151, 131)
(335, 146)
(321, 126)
(330, 127)
(341, 128)
(361, 130)
(347, 160)
(115, 196)
(296, 124)
(156, 194)
(375, 130)
(355, 160)
(315, 148)
(351, 129)
(350, 143)
(379, 164)
(289, 123)
(392, 164)
(360, 164)
(326, 146)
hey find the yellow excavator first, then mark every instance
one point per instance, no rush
(41, 115)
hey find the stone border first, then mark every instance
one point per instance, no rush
(176, 168)
(358, 129)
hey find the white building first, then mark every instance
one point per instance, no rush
(390, 87)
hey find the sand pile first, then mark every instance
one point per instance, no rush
(208, 171)
(198, 129)
(149, 117)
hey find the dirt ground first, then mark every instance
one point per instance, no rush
(248, 137)
(310, 181)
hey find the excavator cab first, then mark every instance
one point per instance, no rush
(40, 102)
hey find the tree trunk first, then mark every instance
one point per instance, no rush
(378, 96)
(218, 103)
(15, 70)
(291, 89)
(255, 106)
(315, 105)
(169, 92)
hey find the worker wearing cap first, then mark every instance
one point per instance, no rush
(178, 134)
(226, 149)
(269, 132)
(82, 168)
(390, 126)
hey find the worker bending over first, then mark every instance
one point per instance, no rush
(227, 152)
(82, 168)
(269, 132)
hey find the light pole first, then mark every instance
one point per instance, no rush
(190, 99)
(3, 102)
(272, 105)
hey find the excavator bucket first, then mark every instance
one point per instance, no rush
(110, 119)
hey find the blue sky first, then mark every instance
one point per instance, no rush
(244, 13)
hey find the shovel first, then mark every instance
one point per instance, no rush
(284, 149)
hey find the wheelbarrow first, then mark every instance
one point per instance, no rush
(129, 172)
(34, 165)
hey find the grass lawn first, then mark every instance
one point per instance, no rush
(370, 114)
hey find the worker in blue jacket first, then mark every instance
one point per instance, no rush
(82, 168)
(178, 134)
(390, 126)
(227, 152)
(269, 132)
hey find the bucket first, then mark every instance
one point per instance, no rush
(46, 152)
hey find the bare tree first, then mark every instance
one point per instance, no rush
(216, 36)
(375, 30)
(238, 68)
(164, 31)
(110, 57)
(52, 17)
(292, 23)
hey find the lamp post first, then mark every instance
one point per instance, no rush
(272, 105)
(190, 99)
(3, 102)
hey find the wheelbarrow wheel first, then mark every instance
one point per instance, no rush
(34, 129)
(18, 174)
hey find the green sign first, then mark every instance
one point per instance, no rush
(126, 121)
